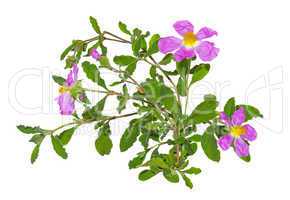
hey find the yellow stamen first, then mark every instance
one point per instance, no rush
(189, 39)
(63, 89)
(237, 131)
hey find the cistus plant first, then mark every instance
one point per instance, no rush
(169, 133)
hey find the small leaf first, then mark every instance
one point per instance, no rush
(130, 135)
(166, 59)
(181, 87)
(104, 143)
(158, 162)
(209, 146)
(30, 129)
(124, 60)
(34, 154)
(230, 107)
(183, 67)
(138, 160)
(153, 44)
(58, 148)
(204, 111)
(146, 174)
(199, 72)
(251, 112)
(37, 139)
(66, 135)
(123, 28)
(171, 175)
(192, 170)
(95, 25)
(58, 79)
(93, 74)
(187, 181)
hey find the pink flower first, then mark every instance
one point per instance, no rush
(95, 54)
(238, 133)
(191, 44)
(65, 101)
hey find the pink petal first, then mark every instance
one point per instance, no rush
(239, 116)
(72, 76)
(250, 134)
(66, 104)
(95, 54)
(168, 44)
(207, 51)
(241, 147)
(183, 27)
(183, 53)
(225, 119)
(225, 142)
(205, 32)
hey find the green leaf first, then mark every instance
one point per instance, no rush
(181, 87)
(34, 154)
(166, 59)
(230, 107)
(58, 148)
(183, 67)
(30, 129)
(130, 135)
(124, 60)
(138, 160)
(251, 112)
(171, 175)
(199, 72)
(123, 99)
(146, 174)
(95, 25)
(58, 79)
(204, 112)
(153, 44)
(66, 135)
(209, 146)
(93, 74)
(37, 139)
(158, 162)
(123, 28)
(192, 170)
(187, 180)
(104, 143)
(66, 51)
(195, 138)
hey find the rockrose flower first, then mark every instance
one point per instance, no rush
(238, 134)
(191, 44)
(65, 101)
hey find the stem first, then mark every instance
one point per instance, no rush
(81, 121)
(115, 36)
(177, 146)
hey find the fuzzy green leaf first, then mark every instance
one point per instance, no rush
(95, 25)
(199, 72)
(230, 107)
(58, 147)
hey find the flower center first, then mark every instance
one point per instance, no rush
(237, 131)
(63, 89)
(189, 39)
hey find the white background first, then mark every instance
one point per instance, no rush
(252, 65)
